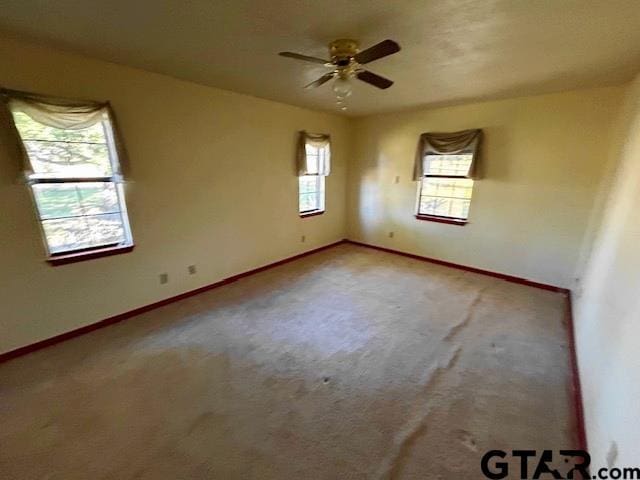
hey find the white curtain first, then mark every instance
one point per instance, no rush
(317, 140)
(60, 113)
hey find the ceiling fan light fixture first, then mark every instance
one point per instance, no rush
(342, 87)
(346, 62)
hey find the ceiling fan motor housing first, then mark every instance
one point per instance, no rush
(342, 51)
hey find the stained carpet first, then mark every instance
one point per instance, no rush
(347, 364)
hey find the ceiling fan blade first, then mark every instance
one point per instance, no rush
(382, 49)
(323, 79)
(305, 58)
(373, 79)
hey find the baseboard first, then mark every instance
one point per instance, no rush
(576, 387)
(502, 276)
(4, 357)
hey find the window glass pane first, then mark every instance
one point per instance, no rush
(448, 164)
(57, 159)
(64, 153)
(98, 198)
(65, 234)
(313, 161)
(308, 201)
(308, 184)
(316, 158)
(79, 215)
(445, 197)
(56, 200)
(435, 206)
(311, 193)
(312, 164)
(106, 228)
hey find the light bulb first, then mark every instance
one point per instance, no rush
(342, 87)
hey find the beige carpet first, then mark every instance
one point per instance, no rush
(346, 364)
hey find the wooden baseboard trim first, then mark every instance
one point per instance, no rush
(503, 276)
(18, 352)
(576, 387)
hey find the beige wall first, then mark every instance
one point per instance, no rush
(607, 311)
(543, 160)
(213, 185)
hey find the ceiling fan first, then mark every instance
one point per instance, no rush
(347, 62)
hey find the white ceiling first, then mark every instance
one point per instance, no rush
(452, 50)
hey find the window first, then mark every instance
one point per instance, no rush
(76, 186)
(311, 186)
(311, 191)
(445, 190)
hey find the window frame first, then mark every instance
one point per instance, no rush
(95, 251)
(441, 218)
(320, 184)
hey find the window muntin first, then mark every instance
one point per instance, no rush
(444, 190)
(78, 196)
(311, 187)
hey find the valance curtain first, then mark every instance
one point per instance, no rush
(466, 141)
(60, 113)
(317, 140)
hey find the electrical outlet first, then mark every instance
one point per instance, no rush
(391, 234)
(303, 238)
(191, 269)
(164, 278)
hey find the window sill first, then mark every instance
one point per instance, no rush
(311, 214)
(451, 221)
(88, 255)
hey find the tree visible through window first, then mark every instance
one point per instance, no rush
(311, 187)
(78, 195)
(445, 190)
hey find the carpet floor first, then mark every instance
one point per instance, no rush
(347, 364)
